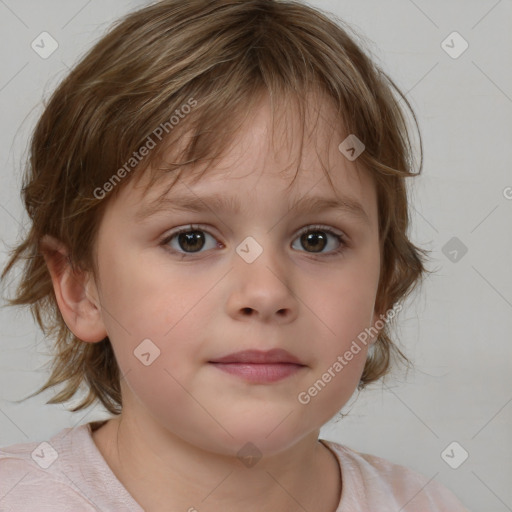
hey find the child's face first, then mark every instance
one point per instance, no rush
(199, 306)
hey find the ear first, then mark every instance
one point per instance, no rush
(75, 291)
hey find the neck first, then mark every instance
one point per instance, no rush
(164, 472)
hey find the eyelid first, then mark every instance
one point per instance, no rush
(307, 227)
(185, 229)
(324, 227)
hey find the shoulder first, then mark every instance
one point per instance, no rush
(31, 478)
(379, 480)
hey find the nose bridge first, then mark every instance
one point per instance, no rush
(262, 277)
(258, 255)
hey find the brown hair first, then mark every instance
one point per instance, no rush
(217, 56)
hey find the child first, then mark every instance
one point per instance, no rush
(251, 129)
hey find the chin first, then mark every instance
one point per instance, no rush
(260, 439)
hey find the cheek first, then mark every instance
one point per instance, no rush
(345, 300)
(342, 313)
(152, 317)
(143, 297)
(343, 309)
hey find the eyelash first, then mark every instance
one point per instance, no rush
(193, 227)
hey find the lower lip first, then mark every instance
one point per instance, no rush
(260, 373)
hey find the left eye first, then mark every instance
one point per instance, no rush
(317, 238)
(191, 239)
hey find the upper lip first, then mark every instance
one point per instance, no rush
(276, 355)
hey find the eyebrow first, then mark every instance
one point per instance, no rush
(232, 205)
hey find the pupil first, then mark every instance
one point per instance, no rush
(315, 237)
(189, 238)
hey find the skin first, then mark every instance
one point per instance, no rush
(183, 420)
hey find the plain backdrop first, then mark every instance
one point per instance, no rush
(456, 328)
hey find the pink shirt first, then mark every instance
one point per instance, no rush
(69, 473)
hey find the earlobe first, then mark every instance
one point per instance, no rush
(75, 292)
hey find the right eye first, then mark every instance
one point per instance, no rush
(187, 240)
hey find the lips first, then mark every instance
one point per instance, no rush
(257, 367)
(274, 356)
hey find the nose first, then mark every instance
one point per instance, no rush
(262, 289)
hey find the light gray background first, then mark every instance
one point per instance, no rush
(456, 329)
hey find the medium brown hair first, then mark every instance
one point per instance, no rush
(222, 55)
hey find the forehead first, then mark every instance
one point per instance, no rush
(273, 152)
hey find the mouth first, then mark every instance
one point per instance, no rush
(260, 367)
